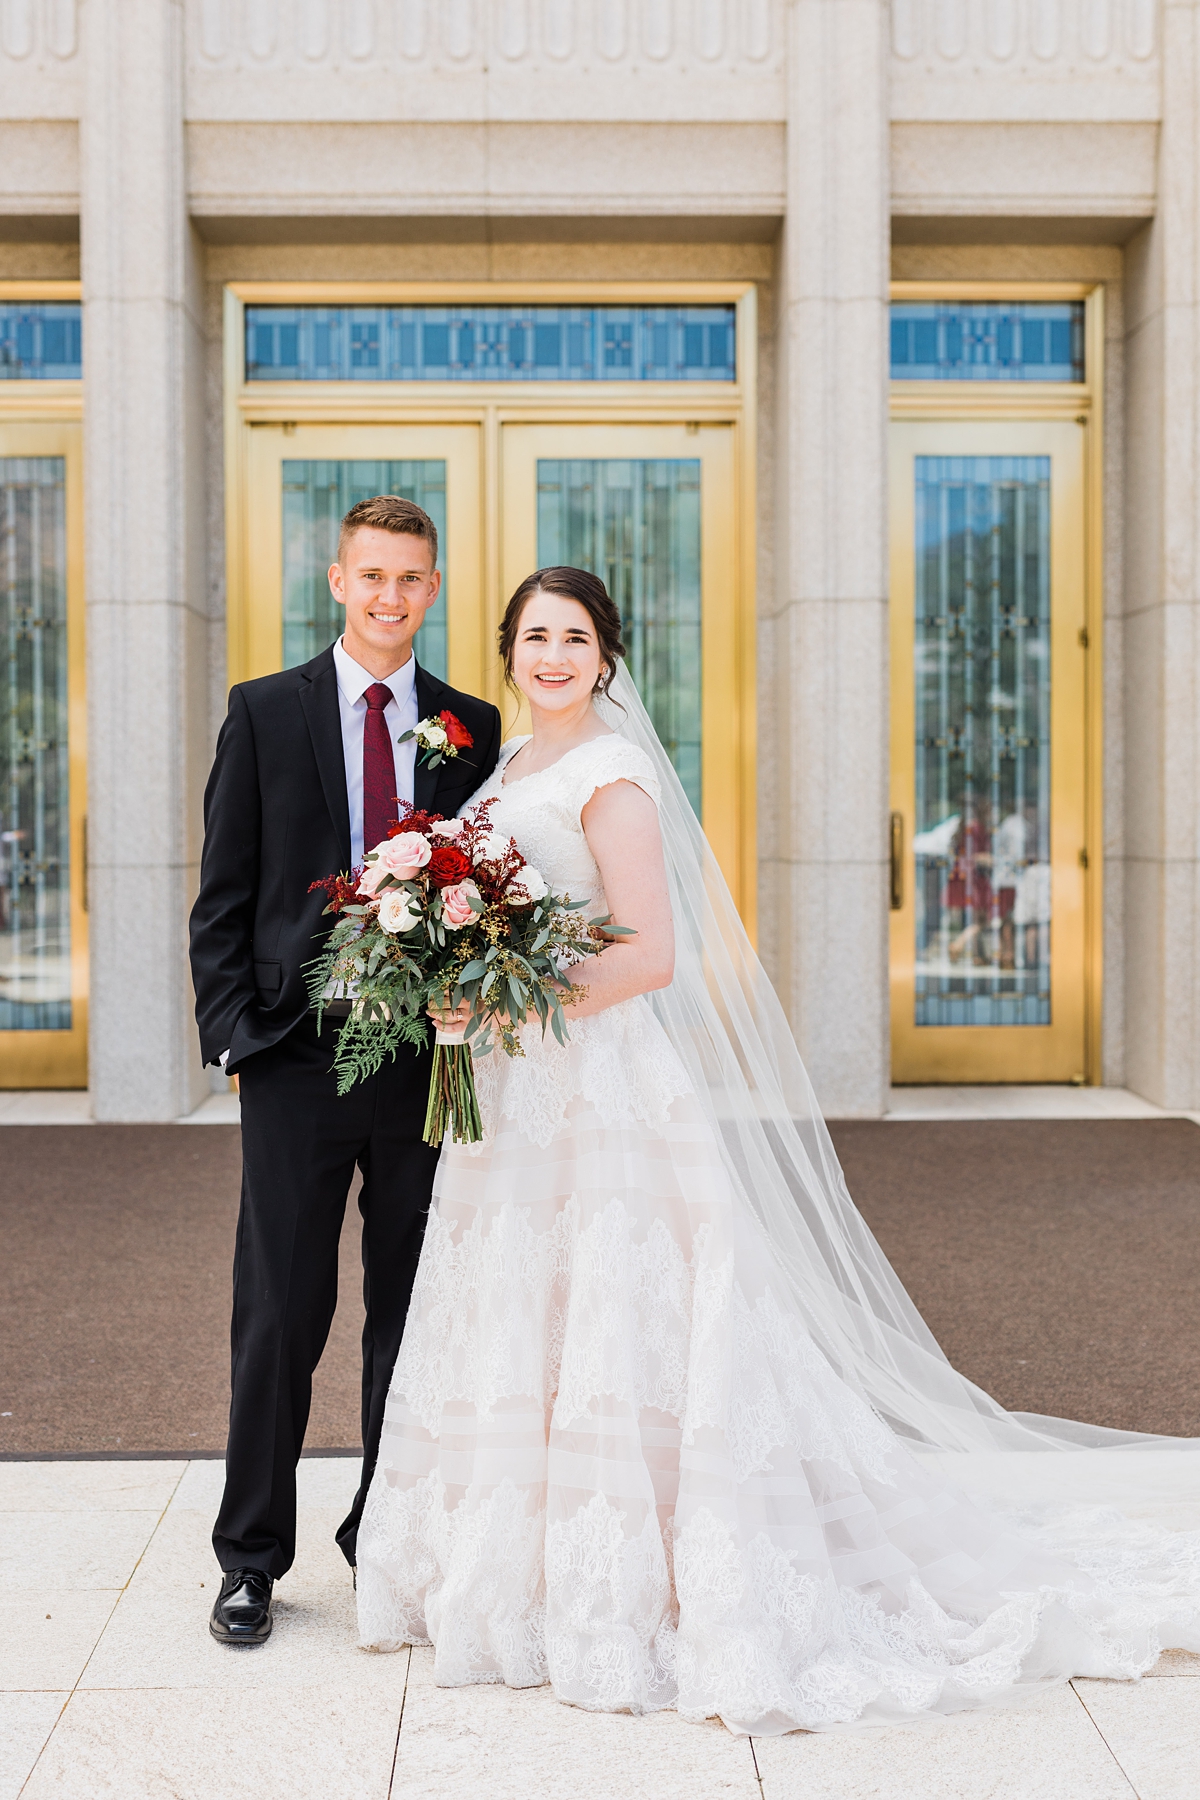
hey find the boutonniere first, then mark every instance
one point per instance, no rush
(438, 737)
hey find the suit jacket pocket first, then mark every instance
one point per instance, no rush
(268, 978)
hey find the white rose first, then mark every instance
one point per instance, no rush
(492, 848)
(530, 881)
(396, 912)
(435, 736)
(447, 828)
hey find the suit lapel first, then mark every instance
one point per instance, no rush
(425, 779)
(319, 700)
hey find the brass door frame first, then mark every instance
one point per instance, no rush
(1077, 651)
(34, 425)
(490, 408)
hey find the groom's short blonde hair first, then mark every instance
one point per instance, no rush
(388, 512)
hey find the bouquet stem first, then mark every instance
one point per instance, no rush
(453, 1105)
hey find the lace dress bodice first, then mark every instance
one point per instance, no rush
(620, 1057)
(542, 811)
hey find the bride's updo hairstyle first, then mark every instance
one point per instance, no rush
(569, 584)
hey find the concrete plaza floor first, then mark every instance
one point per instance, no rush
(111, 1686)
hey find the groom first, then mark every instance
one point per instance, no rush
(307, 773)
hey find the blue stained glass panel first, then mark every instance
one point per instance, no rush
(491, 343)
(982, 750)
(41, 340)
(986, 340)
(35, 841)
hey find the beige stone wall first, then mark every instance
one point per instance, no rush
(752, 139)
(1162, 601)
(148, 743)
(825, 619)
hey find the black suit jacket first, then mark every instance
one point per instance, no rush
(276, 818)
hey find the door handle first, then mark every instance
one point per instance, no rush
(896, 873)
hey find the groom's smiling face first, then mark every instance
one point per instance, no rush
(387, 582)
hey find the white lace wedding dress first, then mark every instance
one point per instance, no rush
(614, 1458)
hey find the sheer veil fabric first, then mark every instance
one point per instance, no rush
(665, 1429)
(724, 1020)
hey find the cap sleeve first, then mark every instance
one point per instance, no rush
(612, 759)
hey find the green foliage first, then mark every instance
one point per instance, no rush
(510, 963)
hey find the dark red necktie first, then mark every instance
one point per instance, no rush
(379, 770)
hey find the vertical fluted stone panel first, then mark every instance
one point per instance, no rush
(144, 510)
(824, 884)
(1162, 600)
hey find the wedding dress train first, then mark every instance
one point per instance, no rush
(628, 1453)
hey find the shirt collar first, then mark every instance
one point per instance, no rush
(353, 680)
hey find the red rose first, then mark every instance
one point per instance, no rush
(447, 866)
(456, 732)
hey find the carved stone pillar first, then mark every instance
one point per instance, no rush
(824, 631)
(1162, 600)
(144, 481)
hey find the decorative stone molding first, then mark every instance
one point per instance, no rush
(1025, 59)
(486, 59)
(578, 60)
(39, 59)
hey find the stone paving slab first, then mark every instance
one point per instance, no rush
(122, 1693)
(1047, 1749)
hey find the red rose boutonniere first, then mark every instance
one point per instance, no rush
(439, 737)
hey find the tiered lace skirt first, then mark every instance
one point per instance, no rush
(614, 1460)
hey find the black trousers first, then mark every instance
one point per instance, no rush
(300, 1144)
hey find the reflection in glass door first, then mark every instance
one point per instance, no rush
(981, 841)
(43, 1026)
(988, 753)
(652, 510)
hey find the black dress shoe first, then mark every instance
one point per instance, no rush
(242, 1614)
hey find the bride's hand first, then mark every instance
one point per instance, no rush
(450, 1019)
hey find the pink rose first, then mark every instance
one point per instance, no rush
(448, 828)
(369, 880)
(457, 910)
(403, 856)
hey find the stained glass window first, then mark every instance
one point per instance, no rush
(637, 525)
(987, 340)
(40, 340)
(982, 715)
(316, 496)
(35, 843)
(490, 343)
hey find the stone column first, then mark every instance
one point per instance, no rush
(824, 636)
(1162, 600)
(144, 476)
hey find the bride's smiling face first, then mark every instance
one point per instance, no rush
(556, 656)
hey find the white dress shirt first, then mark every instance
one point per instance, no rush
(401, 715)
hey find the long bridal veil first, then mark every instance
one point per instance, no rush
(726, 1023)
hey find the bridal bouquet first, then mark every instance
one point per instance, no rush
(446, 910)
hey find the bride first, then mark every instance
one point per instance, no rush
(664, 1429)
